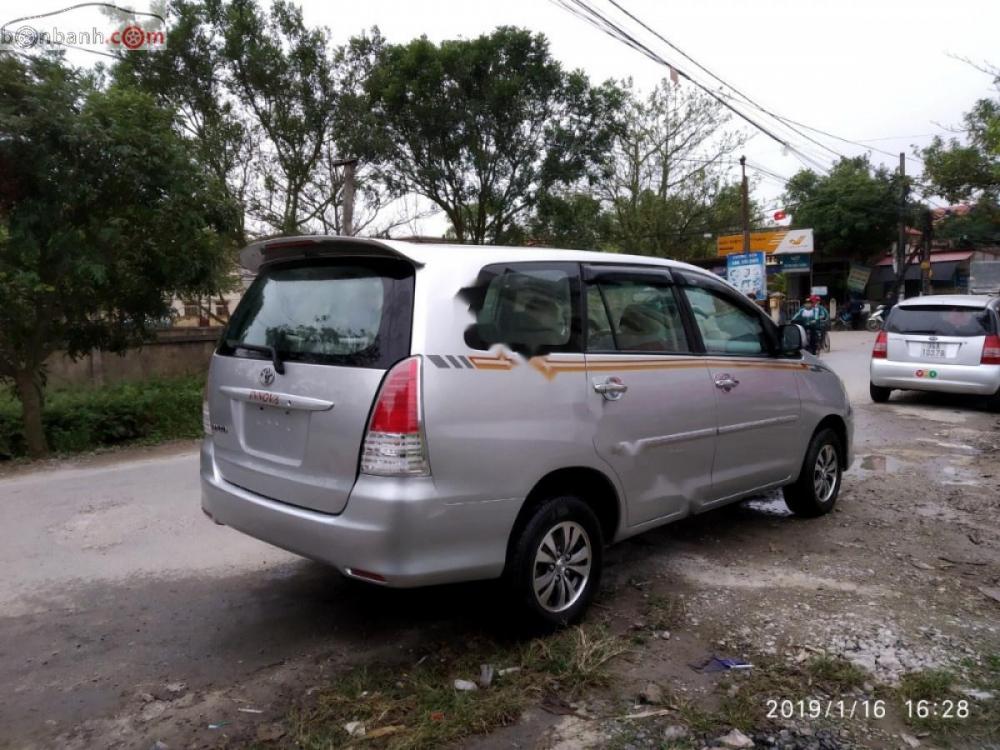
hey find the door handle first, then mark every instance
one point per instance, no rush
(726, 382)
(612, 388)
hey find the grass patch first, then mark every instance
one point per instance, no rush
(82, 419)
(937, 686)
(929, 685)
(744, 704)
(834, 674)
(418, 707)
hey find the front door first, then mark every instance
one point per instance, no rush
(760, 440)
(651, 399)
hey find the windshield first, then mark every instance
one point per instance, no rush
(940, 320)
(347, 312)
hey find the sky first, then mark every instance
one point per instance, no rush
(880, 71)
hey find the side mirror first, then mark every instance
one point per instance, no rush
(793, 338)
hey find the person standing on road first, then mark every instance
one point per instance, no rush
(813, 317)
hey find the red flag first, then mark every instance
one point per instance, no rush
(674, 78)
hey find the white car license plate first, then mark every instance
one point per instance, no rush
(935, 351)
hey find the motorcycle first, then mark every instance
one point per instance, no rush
(843, 322)
(876, 319)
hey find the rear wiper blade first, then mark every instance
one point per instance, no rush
(279, 366)
(921, 333)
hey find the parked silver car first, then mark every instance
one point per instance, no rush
(418, 414)
(944, 343)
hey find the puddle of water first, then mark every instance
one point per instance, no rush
(879, 463)
(769, 505)
(947, 468)
(954, 447)
(934, 415)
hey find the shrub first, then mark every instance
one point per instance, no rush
(81, 419)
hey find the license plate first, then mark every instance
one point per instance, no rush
(935, 351)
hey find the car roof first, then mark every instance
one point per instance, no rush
(962, 300)
(422, 253)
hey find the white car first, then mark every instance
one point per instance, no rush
(946, 343)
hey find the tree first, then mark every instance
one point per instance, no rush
(576, 220)
(971, 170)
(668, 184)
(262, 97)
(853, 211)
(484, 128)
(103, 216)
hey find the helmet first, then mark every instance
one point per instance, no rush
(814, 298)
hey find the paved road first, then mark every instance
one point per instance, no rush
(114, 580)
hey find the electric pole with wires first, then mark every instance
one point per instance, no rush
(745, 193)
(901, 241)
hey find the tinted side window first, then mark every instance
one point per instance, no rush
(634, 315)
(529, 309)
(725, 327)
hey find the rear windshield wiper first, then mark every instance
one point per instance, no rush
(279, 366)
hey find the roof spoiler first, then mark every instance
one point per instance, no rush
(263, 252)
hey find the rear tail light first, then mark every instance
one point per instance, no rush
(394, 443)
(881, 348)
(991, 350)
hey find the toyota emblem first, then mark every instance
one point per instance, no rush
(266, 376)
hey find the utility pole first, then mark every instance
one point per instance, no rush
(347, 228)
(925, 253)
(901, 242)
(746, 206)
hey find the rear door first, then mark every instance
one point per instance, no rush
(650, 396)
(938, 334)
(760, 439)
(335, 326)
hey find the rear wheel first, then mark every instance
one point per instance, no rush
(873, 324)
(879, 394)
(815, 492)
(554, 566)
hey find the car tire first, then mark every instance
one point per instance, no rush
(549, 589)
(815, 492)
(879, 394)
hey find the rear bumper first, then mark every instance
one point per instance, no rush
(981, 380)
(401, 529)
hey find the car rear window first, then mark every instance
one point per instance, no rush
(940, 320)
(338, 312)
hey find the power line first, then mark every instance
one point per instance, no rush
(605, 25)
(785, 120)
(717, 78)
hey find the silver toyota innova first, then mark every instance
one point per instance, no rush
(416, 414)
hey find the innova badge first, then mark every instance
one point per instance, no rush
(266, 376)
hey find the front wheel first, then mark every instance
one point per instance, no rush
(873, 324)
(554, 566)
(815, 492)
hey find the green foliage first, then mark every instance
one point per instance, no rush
(82, 419)
(971, 170)
(484, 127)
(105, 216)
(575, 221)
(854, 211)
(980, 226)
(668, 182)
